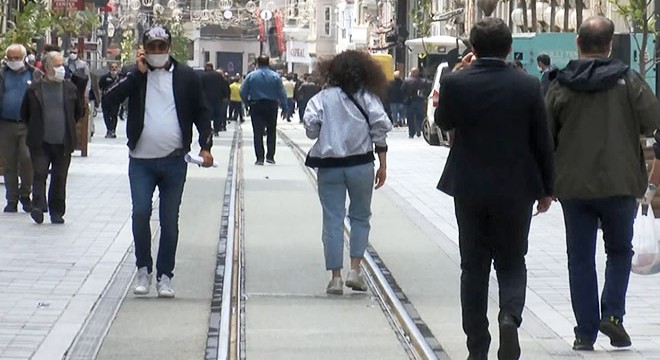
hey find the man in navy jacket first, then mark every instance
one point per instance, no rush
(165, 100)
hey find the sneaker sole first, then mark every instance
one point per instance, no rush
(140, 292)
(509, 343)
(334, 291)
(610, 331)
(165, 296)
(355, 286)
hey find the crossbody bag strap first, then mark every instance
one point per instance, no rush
(364, 113)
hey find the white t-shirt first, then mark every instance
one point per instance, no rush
(161, 134)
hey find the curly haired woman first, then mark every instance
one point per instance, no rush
(349, 123)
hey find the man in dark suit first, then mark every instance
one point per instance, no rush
(500, 163)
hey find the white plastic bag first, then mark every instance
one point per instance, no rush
(646, 260)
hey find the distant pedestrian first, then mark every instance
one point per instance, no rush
(235, 104)
(51, 107)
(546, 69)
(349, 123)
(396, 98)
(307, 90)
(289, 89)
(216, 93)
(165, 100)
(262, 90)
(500, 162)
(598, 109)
(15, 78)
(415, 91)
(110, 114)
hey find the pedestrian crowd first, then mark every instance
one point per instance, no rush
(573, 137)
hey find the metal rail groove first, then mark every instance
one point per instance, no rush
(411, 329)
(226, 320)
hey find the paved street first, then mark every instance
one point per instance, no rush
(52, 277)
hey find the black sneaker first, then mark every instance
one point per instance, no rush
(581, 344)
(12, 207)
(113, 135)
(37, 215)
(509, 343)
(26, 203)
(259, 162)
(479, 356)
(613, 328)
(57, 219)
(270, 161)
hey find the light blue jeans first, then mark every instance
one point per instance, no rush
(334, 183)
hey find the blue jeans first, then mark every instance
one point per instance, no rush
(617, 215)
(333, 185)
(415, 117)
(169, 174)
(398, 111)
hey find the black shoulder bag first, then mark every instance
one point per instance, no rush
(359, 107)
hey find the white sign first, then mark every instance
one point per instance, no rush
(266, 15)
(297, 52)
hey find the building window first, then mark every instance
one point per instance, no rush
(207, 57)
(327, 21)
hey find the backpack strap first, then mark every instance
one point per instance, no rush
(352, 98)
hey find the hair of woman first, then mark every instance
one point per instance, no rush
(353, 71)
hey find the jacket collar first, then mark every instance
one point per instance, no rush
(490, 62)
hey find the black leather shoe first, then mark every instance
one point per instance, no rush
(37, 215)
(12, 207)
(270, 161)
(259, 162)
(479, 356)
(56, 219)
(509, 343)
(26, 203)
(613, 328)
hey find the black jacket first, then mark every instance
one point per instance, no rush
(106, 81)
(502, 145)
(395, 92)
(188, 96)
(32, 114)
(215, 86)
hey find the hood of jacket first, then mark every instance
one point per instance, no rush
(588, 75)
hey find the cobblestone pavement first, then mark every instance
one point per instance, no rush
(414, 169)
(51, 275)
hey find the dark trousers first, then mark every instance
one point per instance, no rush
(236, 110)
(169, 174)
(415, 117)
(218, 114)
(110, 117)
(617, 215)
(491, 230)
(57, 158)
(15, 158)
(291, 105)
(301, 110)
(264, 116)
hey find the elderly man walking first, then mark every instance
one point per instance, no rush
(51, 108)
(598, 109)
(15, 78)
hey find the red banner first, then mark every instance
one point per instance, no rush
(279, 28)
(260, 26)
(72, 5)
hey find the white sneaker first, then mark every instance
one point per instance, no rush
(356, 281)
(335, 286)
(142, 282)
(164, 286)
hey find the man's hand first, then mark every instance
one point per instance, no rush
(208, 158)
(544, 204)
(468, 59)
(141, 61)
(649, 195)
(381, 176)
